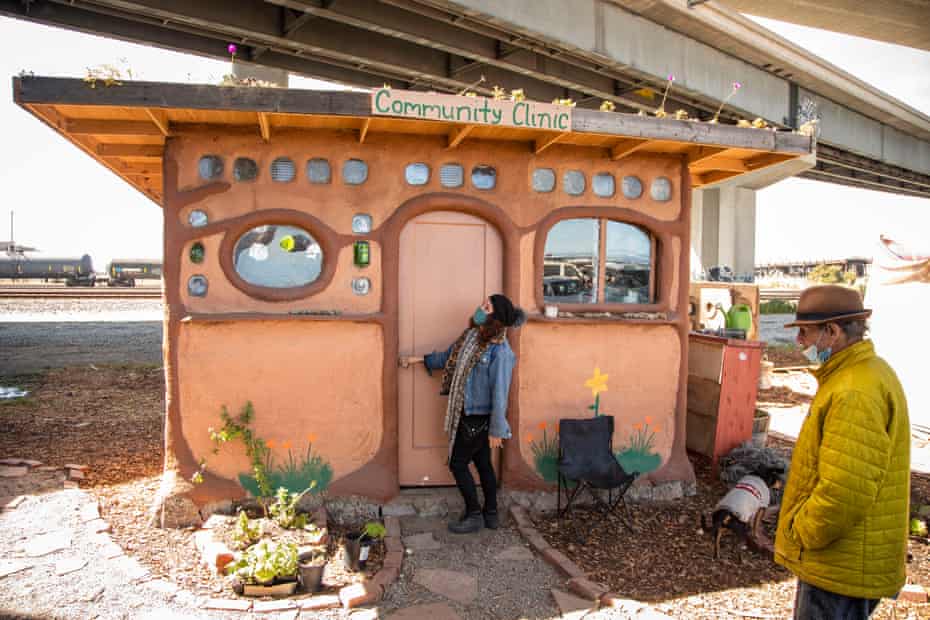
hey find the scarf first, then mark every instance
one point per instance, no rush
(465, 354)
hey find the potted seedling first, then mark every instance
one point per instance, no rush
(310, 564)
(267, 569)
(284, 509)
(246, 532)
(358, 545)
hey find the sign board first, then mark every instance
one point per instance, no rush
(471, 110)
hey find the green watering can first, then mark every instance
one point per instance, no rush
(740, 317)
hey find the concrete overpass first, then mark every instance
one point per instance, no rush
(902, 22)
(588, 50)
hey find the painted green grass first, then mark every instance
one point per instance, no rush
(310, 471)
(638, 456)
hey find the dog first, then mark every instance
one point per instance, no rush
(741, 510)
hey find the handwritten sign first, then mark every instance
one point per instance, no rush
(471, 110)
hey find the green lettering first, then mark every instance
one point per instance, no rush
(515, 114)
(382, 93)
(450, 116)
(413, 107)
(545, 116)
(397, 107)
(497, 114)
(563, 121)
(458, 113)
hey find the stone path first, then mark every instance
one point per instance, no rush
(57, 560)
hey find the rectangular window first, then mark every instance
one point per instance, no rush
(628, 268)
(570, 264)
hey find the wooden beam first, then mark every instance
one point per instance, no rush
(766, 159)
(363, 131)
(160, 118)
(89, 127)
(136, 167)
(626, 147)
(264, 124)
(458, 134)
(543, 143)
(730, 164)
(697, 154)
(131, 150)
(712, 177)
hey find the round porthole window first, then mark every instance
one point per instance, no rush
(210, 167)
(197, 286)
(603, 184)
(544, 180)
(355, 172)
(282, 170)
(417, 174)
(661, 189)
(198, 218)
(573, 182)
(632, 187)
(245, 169)
(278, 256)
(361, 223)
(197, 253)
(484, 177)
(361, 286)
(318, 171)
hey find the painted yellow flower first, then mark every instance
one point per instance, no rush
(597, 383)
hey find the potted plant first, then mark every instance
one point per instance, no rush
(310, 564)
(267, 569)
(358, 545)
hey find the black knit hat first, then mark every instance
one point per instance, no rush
(506, 312)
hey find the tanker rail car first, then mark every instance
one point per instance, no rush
(125, 271)
(74, 271)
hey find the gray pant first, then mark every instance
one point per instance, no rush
(812, 603)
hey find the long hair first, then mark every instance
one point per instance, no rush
(491, 329)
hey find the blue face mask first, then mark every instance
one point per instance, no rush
(480, 316)
(816, 356)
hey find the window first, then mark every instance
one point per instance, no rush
(354, 172)
(283, 170)
(572, 263)
(417, 174)
(543, 180)
(210, 167)
(573, 182)
(604, 184)
(483, 177)
(245, 169)
(452, 175)
(278, 256)
(318, 171)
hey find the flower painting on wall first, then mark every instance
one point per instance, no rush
(307, 471)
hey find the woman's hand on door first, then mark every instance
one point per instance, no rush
(405, 360)
(496, 442)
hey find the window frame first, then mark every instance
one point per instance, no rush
(657, 303)
(322, 234)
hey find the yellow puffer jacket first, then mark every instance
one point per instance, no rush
(844, 515)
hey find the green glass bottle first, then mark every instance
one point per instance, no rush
(362, 254)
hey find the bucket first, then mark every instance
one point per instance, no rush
(765, 374)
(760, 428)
(355, 551)
(311, 575)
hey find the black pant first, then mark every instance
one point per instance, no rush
(471, 445)
(813, 603)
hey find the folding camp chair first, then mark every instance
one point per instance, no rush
(587, 462)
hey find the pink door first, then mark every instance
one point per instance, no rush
(449, 263)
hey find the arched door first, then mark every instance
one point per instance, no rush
(449, 263)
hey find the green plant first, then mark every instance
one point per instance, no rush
(265, 562)
(284, 509)
(374, 530)
(310, 471)
(919, 528)
(246, 532)
(826, 274)
(777, 306)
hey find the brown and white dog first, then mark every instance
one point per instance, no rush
(742, 508)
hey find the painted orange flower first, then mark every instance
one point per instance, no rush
(286, 445)
(529, 438)
(542, 426)
(271, 443)
(311, 438)
(657, 428)
(648, 419)
(638, 427)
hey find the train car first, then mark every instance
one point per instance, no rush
(74, 271)
(125, 271)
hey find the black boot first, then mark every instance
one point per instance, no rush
(490, 520)
(469, 523)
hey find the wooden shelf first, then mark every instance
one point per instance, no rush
(583, 320)
(230, 317)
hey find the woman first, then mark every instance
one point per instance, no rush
(476, 372)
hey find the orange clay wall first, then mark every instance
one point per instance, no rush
(324, 388)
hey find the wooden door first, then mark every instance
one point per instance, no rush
(449, 263)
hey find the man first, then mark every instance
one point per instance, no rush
(842, 528)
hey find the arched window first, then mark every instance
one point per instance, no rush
(598, 261)
(278, 256)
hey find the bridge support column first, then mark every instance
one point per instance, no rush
(723, 229)
(277, 77)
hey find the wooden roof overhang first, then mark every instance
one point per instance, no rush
(124, 126)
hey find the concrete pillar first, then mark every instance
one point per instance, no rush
(243, 70)
(723, 228)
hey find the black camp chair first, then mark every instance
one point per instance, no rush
(587, 462)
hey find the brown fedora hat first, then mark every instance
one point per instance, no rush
(828, 303)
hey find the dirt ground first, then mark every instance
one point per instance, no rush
(110, 419)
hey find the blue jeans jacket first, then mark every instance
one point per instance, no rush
(487, 387)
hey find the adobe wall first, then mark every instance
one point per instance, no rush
(331, 380)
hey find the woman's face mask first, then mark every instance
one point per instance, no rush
(480, 316)
(816, 356)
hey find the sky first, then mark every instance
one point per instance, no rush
(67, 204)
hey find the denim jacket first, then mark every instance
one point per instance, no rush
(488, 385)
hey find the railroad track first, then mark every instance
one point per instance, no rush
(784, 294)
(78, 292)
